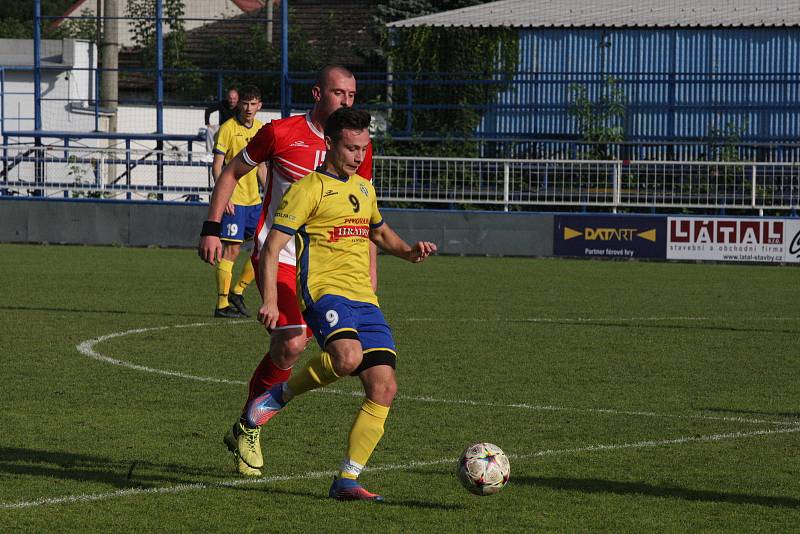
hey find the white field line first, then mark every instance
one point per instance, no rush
(199, 486)
(601, 320)
(87, 348)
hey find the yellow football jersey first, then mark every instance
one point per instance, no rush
(233, 136)
(330, 218)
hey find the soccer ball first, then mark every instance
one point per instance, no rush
(483, 469)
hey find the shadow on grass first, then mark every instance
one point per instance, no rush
(322, 495)
(795, 415)
(86, 468)
(639, 488)
(104, 312)
(413, 503)
(125, 474)
(599, 323)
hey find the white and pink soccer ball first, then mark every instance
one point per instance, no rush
(483, 469)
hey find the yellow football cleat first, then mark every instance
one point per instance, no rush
(245, 469)
(245, 444)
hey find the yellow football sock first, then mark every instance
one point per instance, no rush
(247, 276)
(365, 434)
(316, 374)
(224, 275)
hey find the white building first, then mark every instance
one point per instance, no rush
(67, 84)
(68, 94)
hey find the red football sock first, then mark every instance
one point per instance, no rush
(266, 375)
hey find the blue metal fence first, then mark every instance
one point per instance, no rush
(680, 84)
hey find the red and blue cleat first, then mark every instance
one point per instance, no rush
(345, 489)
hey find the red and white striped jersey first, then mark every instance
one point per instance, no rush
(292, 147)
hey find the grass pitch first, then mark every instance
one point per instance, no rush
(630, 397)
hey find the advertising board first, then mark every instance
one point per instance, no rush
(609, 236)
(733, 239)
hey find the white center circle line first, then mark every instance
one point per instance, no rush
(87, 348)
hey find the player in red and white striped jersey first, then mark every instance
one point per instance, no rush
(291, 147)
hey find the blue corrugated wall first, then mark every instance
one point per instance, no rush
(680, 83)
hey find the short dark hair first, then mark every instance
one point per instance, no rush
(249, 92)
(346, 119)
(322, 74)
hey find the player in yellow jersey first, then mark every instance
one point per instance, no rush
(244, 208)
(333, 214)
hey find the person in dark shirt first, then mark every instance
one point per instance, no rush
(227, 108)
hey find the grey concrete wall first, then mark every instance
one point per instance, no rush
(100, 222)
(103, 222)
(477, 232)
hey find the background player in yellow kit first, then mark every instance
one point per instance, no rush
(244, 208)
(333, 214)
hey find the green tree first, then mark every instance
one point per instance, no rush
(16, 20)
(728, 181)
(187, 81)
(725, 140)
(14, 28)
(599, 121)
(431, 65)
(262, 65)
(78, 28)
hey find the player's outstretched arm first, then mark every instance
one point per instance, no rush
(268, 267)
(388, 240)
(210, 248)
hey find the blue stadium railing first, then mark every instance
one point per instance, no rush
(129, 163)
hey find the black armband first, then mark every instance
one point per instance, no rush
(211, 228)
